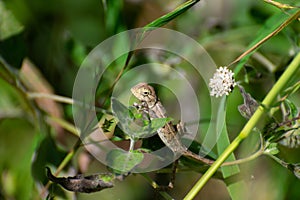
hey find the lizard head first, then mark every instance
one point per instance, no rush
(144, 93)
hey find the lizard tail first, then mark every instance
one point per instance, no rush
(198, 157)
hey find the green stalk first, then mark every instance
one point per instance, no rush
(279, 85)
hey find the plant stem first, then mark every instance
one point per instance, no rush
(254, 47)
(159, 22)
(279, 85)
(64, 124)
(54, 97)
(66, 100)
(281, 162)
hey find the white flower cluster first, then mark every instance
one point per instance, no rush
(222, 83)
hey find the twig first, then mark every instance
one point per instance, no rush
(256, 117)
(254, 47)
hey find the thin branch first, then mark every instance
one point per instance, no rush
(256, 117)
(33, 95)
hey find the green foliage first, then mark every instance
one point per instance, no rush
(15, 163)
(237, 188)
(9, 25)
(133, 123)
(272, 149)
(171, 15)
(57, 37)
(123, 162)
(269, 26)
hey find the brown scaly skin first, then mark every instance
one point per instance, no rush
(168, 134)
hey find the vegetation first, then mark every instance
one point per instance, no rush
(44, 45)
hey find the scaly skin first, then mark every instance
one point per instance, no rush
(168, 134)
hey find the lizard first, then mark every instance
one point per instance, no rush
(168, 133)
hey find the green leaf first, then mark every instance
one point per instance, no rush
(270, 25)
(122, 162)
(272, 149)
(120, 111)
(17, 141)
(13, 102)
(292, 107)
(234, 188)
(107, 124)
(153, 126)
(9, 25)
(46, 154)
(171, 15)
(132, 123)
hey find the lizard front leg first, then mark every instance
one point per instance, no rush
(143, 109)
(181, 128)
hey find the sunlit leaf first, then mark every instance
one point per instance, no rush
(8, 23)
(122, 161)
(153, 126)
(107, 124)
(272, 149)
(171, 15)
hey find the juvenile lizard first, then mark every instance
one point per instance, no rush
(168, 134)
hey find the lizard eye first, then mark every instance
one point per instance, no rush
(146, 93)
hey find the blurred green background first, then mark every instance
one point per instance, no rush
(43, 43)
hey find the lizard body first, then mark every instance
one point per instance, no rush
(168, 134)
